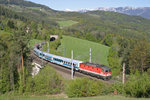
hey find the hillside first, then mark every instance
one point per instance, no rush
(100, 23)
(23, 3)
(36, 12)
(97, 23)
(81, 50)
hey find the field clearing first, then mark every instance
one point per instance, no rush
(81, 49)
(108, 97)
(34, 8)
(66, 23)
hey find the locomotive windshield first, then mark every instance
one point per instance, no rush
(108, 70)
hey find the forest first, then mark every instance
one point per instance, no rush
(127, 36)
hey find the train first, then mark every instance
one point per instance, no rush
(97, 70)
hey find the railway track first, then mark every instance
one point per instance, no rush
(63, 71)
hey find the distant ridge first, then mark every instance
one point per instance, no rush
(139, 11)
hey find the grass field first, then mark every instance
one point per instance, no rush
(34, 8)
(81, 50)
(66, 23)
(109, 97)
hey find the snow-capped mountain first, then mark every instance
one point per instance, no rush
(139, 11)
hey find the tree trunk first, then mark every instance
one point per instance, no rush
(22, 67)
(18, 68)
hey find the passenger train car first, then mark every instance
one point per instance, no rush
(100, 71)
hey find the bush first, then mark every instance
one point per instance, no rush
(46, 82)
(138, 86)
(83, 87)
(117, 87)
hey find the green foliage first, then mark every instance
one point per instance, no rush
(13, 47)
(138, 86)
(10, 23)
(108, 40)
(113, 60)
(83, 87)
(148, 71)
(140, 57)
(29, 85)
(118, 87)
(11, 14)
(33, 42)
(53, 46)
(46, 82)
(4, 81)
(23, 3)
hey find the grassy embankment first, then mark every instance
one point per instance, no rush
(81, 50)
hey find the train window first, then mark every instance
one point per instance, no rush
(110, 70)
(49, 57)
(106, 71)
(74, 64)
(59, 60)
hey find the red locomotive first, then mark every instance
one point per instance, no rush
(100, 71)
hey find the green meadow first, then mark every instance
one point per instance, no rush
(66, 23)
(81, 50)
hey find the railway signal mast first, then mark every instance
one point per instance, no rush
(72, 64)
(63, 50)
(48, 46)
(123, 74)
(90, 56)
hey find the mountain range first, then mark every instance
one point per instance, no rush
(139, 11)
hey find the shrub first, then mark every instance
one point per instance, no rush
(138, 86)
(118, 87)
(46, 82)
(82, 87)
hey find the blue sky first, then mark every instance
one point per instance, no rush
(91, 4)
